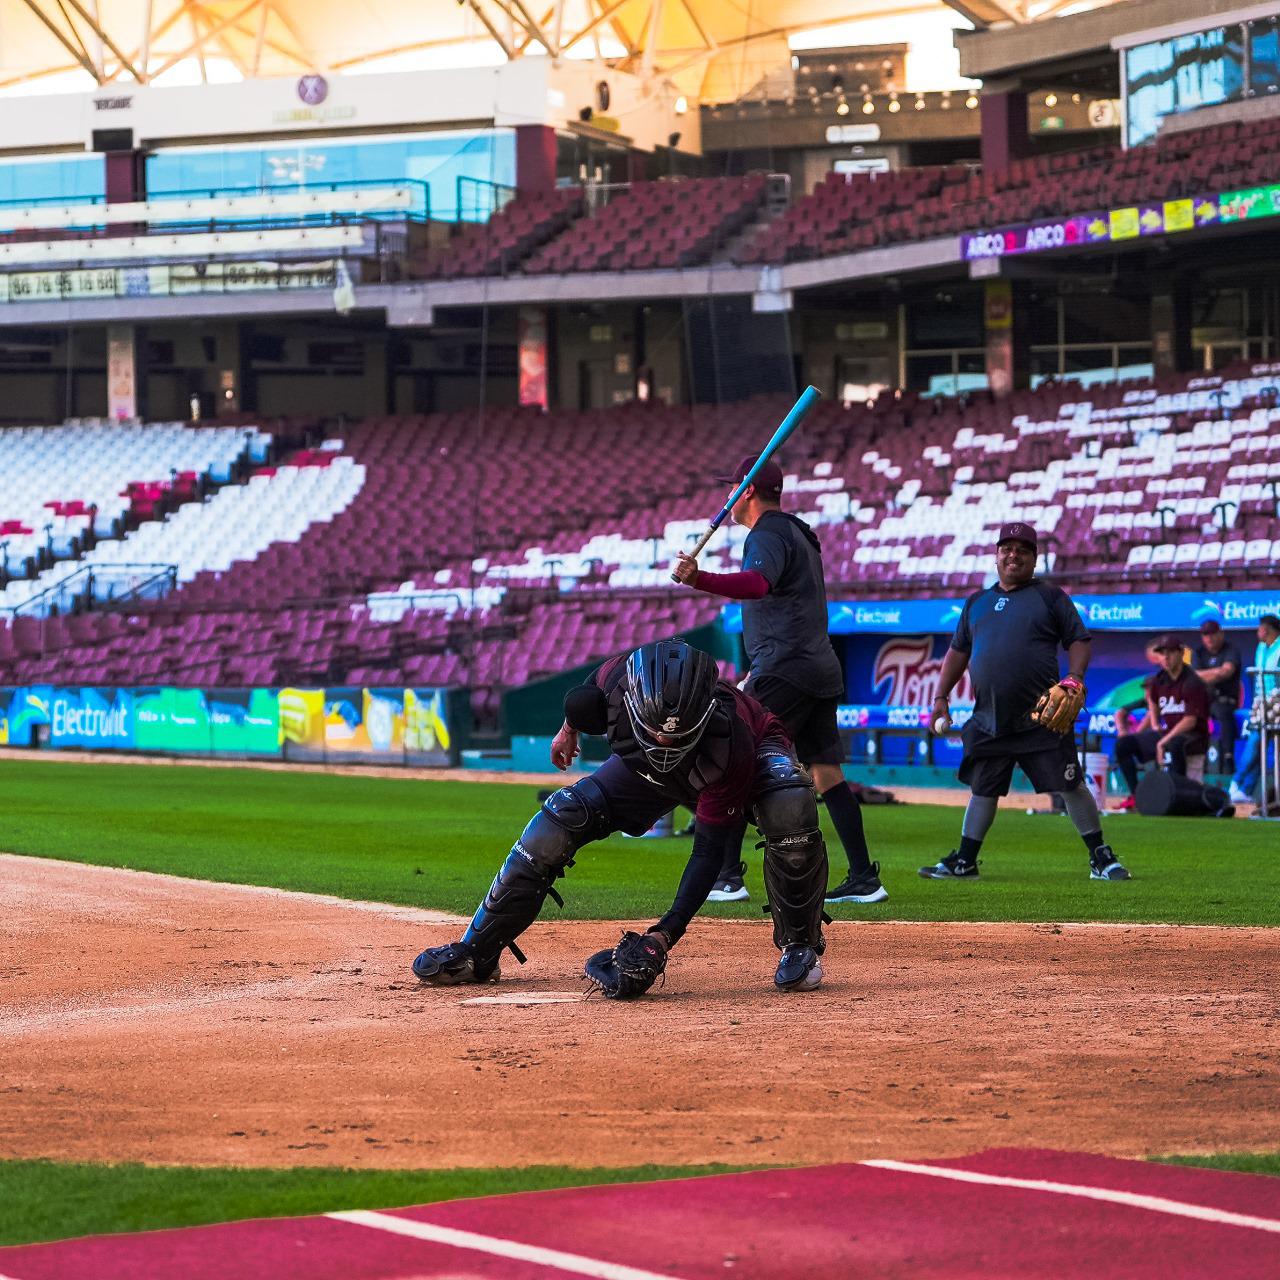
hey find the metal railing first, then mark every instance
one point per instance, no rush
(108, 586)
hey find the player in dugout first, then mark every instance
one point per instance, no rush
(794, 669)
(1008, 637)
(678, 735)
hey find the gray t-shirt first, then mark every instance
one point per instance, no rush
(786, 632)
(1012, 639)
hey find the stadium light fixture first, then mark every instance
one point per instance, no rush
(920, 102)
(971, 101)
(1050, 99)
(894, 105)
(842, 108)
(868, 107)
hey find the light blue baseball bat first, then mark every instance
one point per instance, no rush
(808, 398)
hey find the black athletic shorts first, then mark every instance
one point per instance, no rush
(1057, 769)
(811, 721)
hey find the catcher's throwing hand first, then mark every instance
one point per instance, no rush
(685, 569)
(630, 968)
(1059, 706)
(564, 747)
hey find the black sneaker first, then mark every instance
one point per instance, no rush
(860, 888)
(1104, 865)
(955, 866)
(730, 888)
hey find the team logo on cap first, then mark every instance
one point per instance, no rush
(671, 724)
(1017, 530)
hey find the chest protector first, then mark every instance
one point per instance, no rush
(724, 741)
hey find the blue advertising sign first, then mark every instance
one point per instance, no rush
(91, 718)
(1172, 611)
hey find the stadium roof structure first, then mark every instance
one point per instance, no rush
(701, 44)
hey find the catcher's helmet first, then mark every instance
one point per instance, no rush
(670, 695)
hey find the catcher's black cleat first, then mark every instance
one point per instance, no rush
(800, 969)
(453, 964)
(955, 866)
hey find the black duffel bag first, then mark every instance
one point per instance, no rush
(1162, 794)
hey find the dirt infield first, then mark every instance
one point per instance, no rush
(151, 1018)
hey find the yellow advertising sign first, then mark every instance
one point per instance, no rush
(1124, 224)
(1179, 215)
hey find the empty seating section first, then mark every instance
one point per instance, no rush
(656, 225)
(506, 240)
(440, 549)
(56, 483)
(236, 523)
(858, 211)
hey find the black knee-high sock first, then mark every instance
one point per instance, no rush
(846, 816)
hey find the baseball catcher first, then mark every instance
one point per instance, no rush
(678, 736)
(1024, 711)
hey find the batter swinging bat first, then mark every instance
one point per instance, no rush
(808, 398)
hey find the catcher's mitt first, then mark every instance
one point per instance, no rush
(1058, 707)
(630, 968)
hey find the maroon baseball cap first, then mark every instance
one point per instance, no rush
(1210, 628)
(1018, 532)
(1162, 644)
(768, 481)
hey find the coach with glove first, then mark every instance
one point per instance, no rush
(1008, 637)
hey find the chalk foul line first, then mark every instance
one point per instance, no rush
(429, 1231)
(1156, 1204)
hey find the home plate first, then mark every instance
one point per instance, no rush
(526, 997)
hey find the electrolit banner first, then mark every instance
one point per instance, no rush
(1173, 611)
(400, 726)
(1152, 218)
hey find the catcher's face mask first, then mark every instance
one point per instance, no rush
(665, 750)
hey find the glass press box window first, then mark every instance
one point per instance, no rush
(53, 178)
(1167, 77)
(438, 159)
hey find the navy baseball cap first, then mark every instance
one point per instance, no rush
(1165, 643)
(768, 481)
(1018, 532)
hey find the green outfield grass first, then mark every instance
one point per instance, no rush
(437, 844)
(1240, 1162)
(47, 1200)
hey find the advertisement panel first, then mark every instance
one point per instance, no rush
(1172, 611)
(91, 719)
(302, 723)
(357, 725)
(234, 721)
(891, 683)
(352, 725)
(1102, 226)
(22, 713)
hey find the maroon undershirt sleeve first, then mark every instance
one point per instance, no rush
(746, 585)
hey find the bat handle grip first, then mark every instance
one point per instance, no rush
(697, 546)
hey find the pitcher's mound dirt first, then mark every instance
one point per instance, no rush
(151, 1018)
